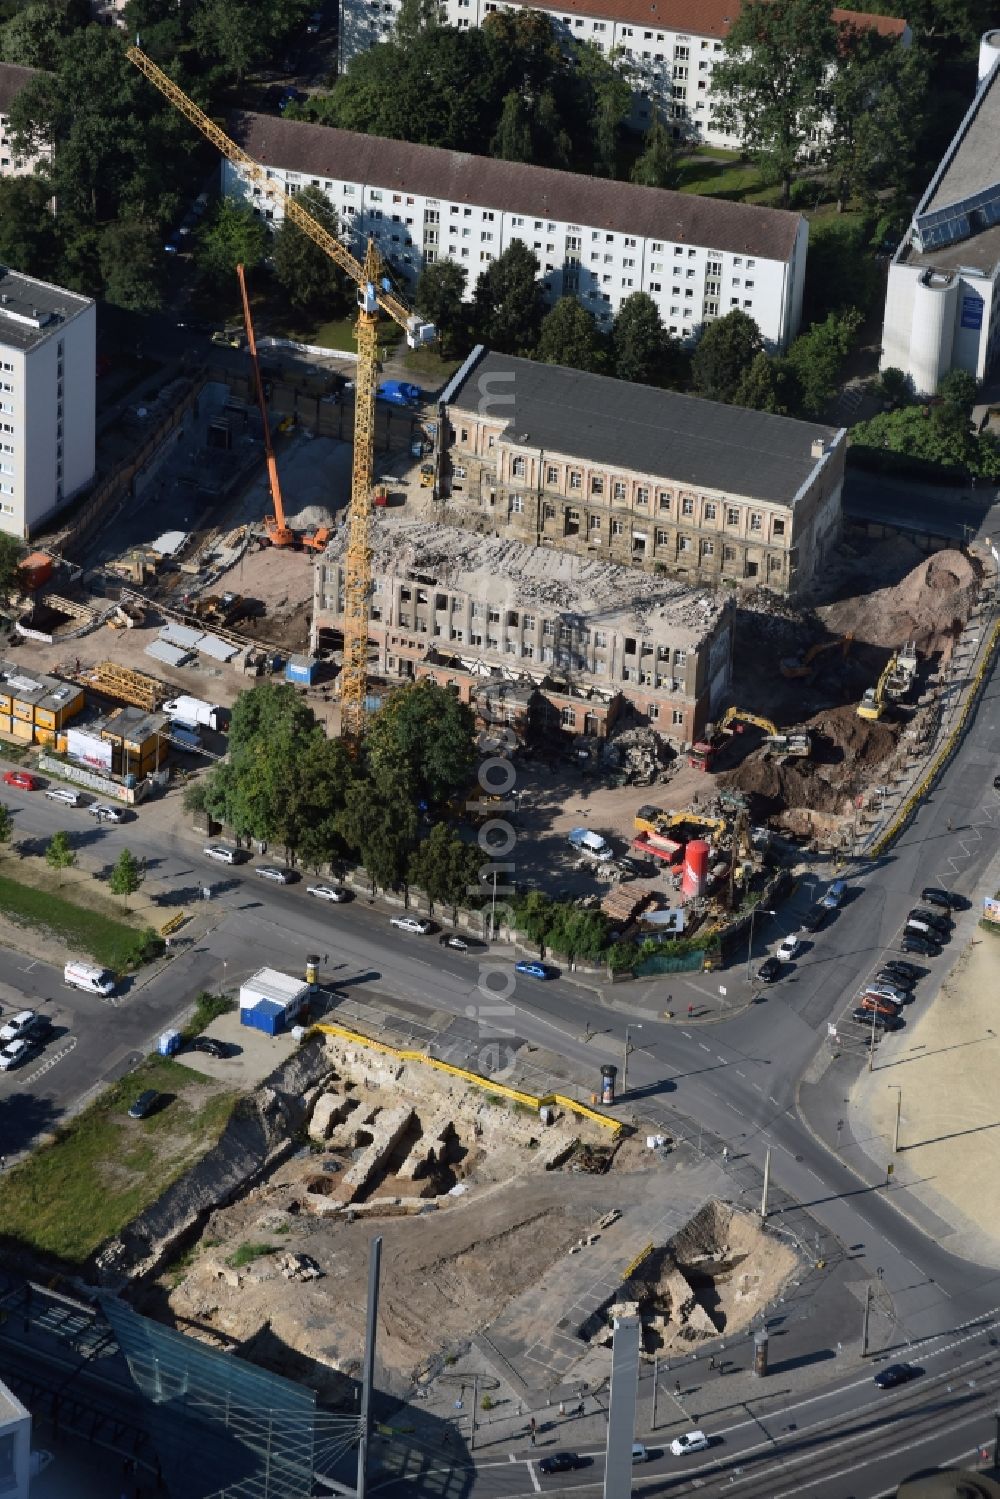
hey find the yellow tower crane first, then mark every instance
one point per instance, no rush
(374, 292)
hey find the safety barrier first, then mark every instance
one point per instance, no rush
(633, 1267)
(488, 1084)
(173, 924)
(906, 811)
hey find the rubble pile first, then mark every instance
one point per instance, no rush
(641, 754)
(847, 750)
(929, 606)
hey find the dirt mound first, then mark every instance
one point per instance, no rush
(930, 605)
(846, 749)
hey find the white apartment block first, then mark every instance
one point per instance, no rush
(597, 240)
(12, 81)
(15, 1446)
(47, 399)
(669, 47)
(942, 303)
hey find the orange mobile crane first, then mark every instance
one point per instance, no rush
(374, 293)
(279, 534)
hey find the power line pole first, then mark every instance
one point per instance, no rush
(767, 1183)
(368, 1373)
(864, 1325)
(656, 1381)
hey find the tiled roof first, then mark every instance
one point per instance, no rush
(12, 81)
(698, 17)
(512, 187)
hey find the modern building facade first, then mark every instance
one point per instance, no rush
(47, 399)
(15, 1446)
(668, 47)
(637, 476)
(12, 81)
(466, 609)
(942, 303)
(599, 241)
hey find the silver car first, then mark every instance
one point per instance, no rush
(333, 893)
(272, 872)
(413, 924)
(889, 991)
(220, 853)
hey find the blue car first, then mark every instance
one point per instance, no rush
(534, 970)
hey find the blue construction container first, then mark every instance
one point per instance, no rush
(169, 1043)
(267, 1015)
(301, 669)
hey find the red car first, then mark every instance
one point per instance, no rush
(21, 779)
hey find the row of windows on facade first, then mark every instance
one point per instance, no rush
(527, 651)
(681, 47)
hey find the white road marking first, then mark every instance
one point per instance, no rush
(533, 1476)
(703, 1046)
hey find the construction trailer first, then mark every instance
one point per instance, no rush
(272, 1002)
(34, 708)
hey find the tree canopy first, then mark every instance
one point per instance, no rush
(507, 304)
(726, 350)
(936, 434)
(438, 295)
(446, 868)
(570, 336)
(641, 348)
(233, 236)
(311, 279)
(419, 747)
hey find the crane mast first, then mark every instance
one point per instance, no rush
(374, 295)
(278, 532)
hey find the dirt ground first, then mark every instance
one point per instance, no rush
(945, 1062)
(929, 605)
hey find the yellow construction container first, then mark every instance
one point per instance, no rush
(34, 703)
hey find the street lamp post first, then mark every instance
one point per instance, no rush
(756, 910)
(899, 1107)
(635, 1026)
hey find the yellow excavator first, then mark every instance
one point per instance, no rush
(795, 742)
(872, 705)
(792, 667)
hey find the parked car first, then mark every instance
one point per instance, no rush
(879, 1003)
(22, 779)
(640, 1453)
(534, 970)
(452, 939)
(221, 854)
(106, 814)
(275, 874)
(19, 1026)
(894, 977)
(834, 897)
(691, 1441)
(933, 919)
(788, 949)
(561, 1462)
(889, 990)
(15, 1052)
(931, 895)
(769, 970)
(418, 925)
(333, 893)
(896, 1374)
(144, 1104)
(814, 918)
(914, 942)
(63, 794)
(910, 971)
(882, 1021)
(209, 1046)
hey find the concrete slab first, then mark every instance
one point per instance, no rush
(252, 1054)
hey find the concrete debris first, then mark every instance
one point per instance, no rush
(299, 1267)
(641, 754)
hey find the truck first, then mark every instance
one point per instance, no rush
(400, 393)
(196, 710)
(586, 842)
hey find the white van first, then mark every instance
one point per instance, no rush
(89, 977)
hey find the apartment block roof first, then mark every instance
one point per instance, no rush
(513, 187)
(698, 17)
(638, 429)
(31, 311)
(12, 81)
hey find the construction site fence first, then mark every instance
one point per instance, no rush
(115, 488)
(902, 818)
(475, 1079)
(111, 790)
(692, 962)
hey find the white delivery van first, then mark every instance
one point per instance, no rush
(90, 977)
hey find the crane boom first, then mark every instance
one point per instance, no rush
(278, 531)
(374, 292)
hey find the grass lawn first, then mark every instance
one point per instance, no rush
(103, 1168)
(731, 178)
(428, 366)
(113, 943)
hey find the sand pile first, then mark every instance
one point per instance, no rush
(847, 751)
(930, 605)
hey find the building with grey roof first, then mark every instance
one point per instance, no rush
(635, 475)
(12, 81)
(48, 372)
(942, 302)
(594, 239)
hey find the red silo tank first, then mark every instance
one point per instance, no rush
(695, 877)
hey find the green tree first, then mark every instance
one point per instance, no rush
(726, 350)
(841, 271)
(126, 875)
(874, 99)
(234, 235)
(760, 386)
(322, 775)
(535, 915)
(815, 358)
(6, 825)
(930, 434)
(610, 107)
(419, 748)
(415, 17)
(308, 275)
(438, 296)
(58, 853)
(513, 138)
(895, 386)
(769, 84)
(639, 341)
(28, 240)
(959, 389)
(11, 552)
(444, 866)
(130, 261)
(382, 830)
(570, 336)
(508, 301)
(32, 38)
(657, 166)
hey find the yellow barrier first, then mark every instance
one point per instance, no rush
(908, 808)
(642, 1255)
(173, 923)
(408, 1054)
